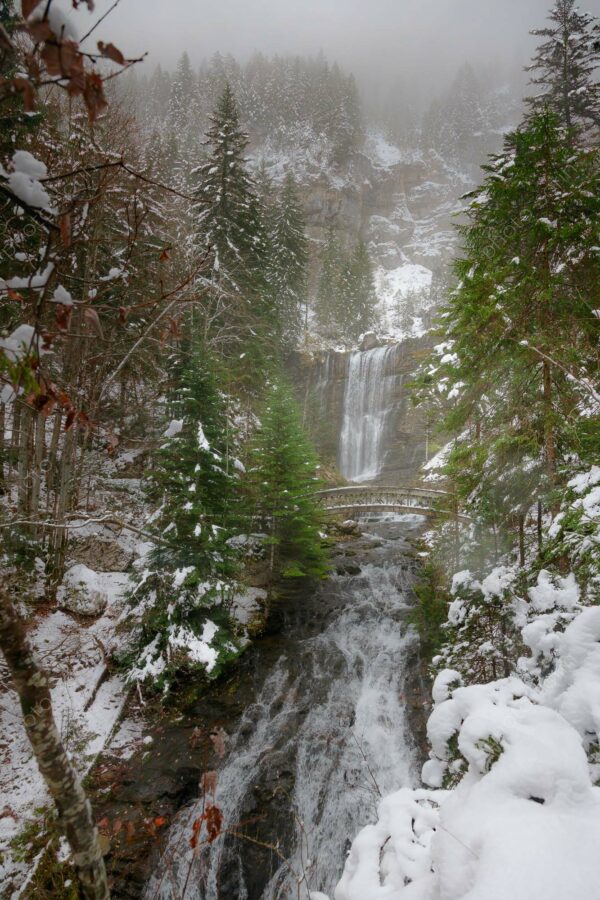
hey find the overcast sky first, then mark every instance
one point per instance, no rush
(373, 38)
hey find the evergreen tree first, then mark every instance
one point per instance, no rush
(356, 294)
(283, 483)
(289, 262)
(180, 598)
(521, 355)
(229, 212)
(565, 66)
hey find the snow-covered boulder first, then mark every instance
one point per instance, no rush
(368, 341)
(523, 821)
(81, 592)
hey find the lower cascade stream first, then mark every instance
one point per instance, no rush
(326, 734)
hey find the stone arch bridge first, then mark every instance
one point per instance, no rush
(377, 498)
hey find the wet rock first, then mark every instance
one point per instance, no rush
(347, 569)
(369, 341)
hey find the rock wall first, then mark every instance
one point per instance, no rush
(321, 383)
(403, 205)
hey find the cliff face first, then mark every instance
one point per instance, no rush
(334, 415)
(401, 201)
(404, 203)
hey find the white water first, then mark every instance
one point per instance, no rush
(367, 404)
(332, 712)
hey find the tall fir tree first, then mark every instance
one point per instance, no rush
(283, 480)
(231, 228)
(566, 65)
(357, 299)
(180, 599)
(521, 355)
(289, 262)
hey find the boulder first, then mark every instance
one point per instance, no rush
(369, 341)
(81, 592)
(100, 553)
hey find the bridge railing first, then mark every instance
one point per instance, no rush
(371, 495)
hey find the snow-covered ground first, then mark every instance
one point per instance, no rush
(73, 641)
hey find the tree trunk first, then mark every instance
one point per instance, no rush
(549, 442)
(25, 464)
(522, 540)
(52, 478)
(3, 448)
(39, 423)
(15, 439)
(56, 558)
(64, 785)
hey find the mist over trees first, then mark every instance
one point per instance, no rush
(191, 258)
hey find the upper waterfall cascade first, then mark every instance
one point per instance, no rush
(368, 401)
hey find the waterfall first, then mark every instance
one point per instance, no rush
(367, 404)
(325, 738)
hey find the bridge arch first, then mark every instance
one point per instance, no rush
(366, 498)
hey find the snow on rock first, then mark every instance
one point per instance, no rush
(248, 605)
(81, 592)
(403, 294)
(175, 428)
(382, 153)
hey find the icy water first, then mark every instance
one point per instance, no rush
(326, 735)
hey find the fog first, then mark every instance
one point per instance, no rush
(418, 42)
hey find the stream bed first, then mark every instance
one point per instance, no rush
(319, 722)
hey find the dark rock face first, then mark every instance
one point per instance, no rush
(322, 384)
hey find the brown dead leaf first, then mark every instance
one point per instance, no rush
(24, 87)
(40, 30)
(93, 95)
(27, 7)
(214, 822)
(63, 316)
(112, 442)
(109, 51)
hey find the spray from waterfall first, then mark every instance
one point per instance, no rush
(368, 402)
